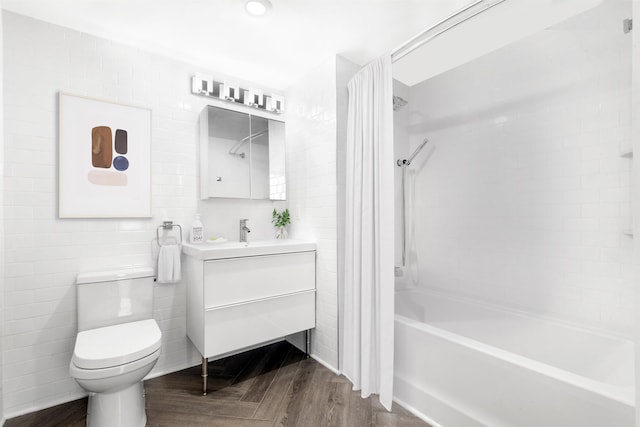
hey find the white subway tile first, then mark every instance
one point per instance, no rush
(528, 210)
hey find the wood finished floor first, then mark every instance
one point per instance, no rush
(267, 387)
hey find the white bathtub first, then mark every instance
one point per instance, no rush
(460, 363)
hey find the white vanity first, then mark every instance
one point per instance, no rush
(242, 295)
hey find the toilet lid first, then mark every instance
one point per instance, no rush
(116, 345)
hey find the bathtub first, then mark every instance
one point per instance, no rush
(461, 363)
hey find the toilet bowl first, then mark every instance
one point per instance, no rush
(110, 364)
(111, 361)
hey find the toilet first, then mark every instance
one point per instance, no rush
(117, 345)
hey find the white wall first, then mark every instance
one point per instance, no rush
(345, 70)
(2, 255)
(523, 197)
(635, 185)
(44, 253)
(311, 172)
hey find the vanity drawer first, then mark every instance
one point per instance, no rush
(238, 326)
(236, 280)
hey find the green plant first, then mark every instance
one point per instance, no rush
(280, 219)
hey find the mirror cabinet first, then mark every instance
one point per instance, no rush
(242, 156)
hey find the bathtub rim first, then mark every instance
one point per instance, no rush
(621, 394)
(492, 305)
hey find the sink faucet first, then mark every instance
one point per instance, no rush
(244, 230)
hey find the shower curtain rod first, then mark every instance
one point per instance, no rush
(422, 38)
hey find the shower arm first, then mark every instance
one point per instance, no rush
(407, 162)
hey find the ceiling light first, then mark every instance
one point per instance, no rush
(257, 7)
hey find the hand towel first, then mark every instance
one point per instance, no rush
(169, 270)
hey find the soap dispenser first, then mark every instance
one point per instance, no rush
(197, 231)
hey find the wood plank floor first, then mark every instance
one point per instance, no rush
(267, 387)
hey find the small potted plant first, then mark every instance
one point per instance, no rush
(280, 221)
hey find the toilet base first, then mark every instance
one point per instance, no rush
(123, 408)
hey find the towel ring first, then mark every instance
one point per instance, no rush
(167, 225)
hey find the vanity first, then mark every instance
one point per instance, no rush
(242, 295)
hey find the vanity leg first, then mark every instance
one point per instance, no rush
(205, 374)
(307, 339)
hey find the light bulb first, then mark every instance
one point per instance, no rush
(257, 7)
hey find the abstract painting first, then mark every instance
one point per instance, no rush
(105, 159)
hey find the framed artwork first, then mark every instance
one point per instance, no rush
(105, 159)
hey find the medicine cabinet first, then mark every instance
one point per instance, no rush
(242, 156)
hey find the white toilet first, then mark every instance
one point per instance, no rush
(117, 345)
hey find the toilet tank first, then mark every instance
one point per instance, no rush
(108, 298)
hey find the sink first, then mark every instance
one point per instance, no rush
(235, 249)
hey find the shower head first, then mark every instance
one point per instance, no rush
(398, 103)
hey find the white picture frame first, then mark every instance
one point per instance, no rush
(104, 167)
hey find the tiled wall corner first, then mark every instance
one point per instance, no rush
(311, 176)
(345, 70)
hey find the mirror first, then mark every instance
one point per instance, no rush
(242, 156)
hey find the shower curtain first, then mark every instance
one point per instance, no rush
(369, 252)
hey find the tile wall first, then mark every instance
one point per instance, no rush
(2, 233)
(523, 198)
(345, 70)
(311, 165)
(44, 253)
(635, 196)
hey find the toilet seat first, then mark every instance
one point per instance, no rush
(114, 371)
(117, 345)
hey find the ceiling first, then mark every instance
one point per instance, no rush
(274, 51)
